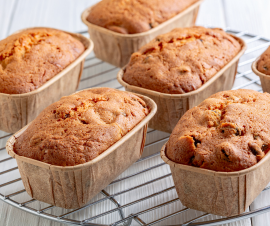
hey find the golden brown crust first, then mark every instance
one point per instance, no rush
(135, 16)
(229, 131)
(81, 126)
(181, 60)
(30, 58)
(263, 64)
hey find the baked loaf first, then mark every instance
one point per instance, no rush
(264, 62)
(81, 126)
(181, 60)
(30, 58)
(229, 131)
(135, 16)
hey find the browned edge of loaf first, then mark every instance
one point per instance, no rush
(185, 95)
(262, 63)
(137, 35)
(9, 145)
(211, 172)
(255, 70)
(88, 44)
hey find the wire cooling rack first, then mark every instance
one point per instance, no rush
(144, 194)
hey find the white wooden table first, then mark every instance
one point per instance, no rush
(243, 15)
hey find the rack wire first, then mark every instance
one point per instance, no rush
(138, 196)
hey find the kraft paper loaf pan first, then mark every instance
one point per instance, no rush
(265, 79)
(17, 110)
(72, 187)
(171, 107)
(116, 48)
(220, 193)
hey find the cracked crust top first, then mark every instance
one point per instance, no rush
(30, 58)
(81, 126)
(229, 131)
(264, 62)
(181, 60)
(135, 16)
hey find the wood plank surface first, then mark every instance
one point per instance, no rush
(61, 14)
(211, 14)
(6, 11)
(247, 15)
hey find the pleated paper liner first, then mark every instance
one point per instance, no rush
(74, 186)
(116, 48)
(219, 193)
(265, 79)
(17, 110)
(171, 107)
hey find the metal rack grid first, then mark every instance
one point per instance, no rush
(98, 73)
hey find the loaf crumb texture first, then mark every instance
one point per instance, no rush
(135, 16)
(80, 127)
(182, 60)
(30, 58)
(229, 131)
(264, 62)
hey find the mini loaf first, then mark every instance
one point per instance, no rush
(80, 127)
(135, 16)
(182, 60)
(229, 131)
(263, 64)
(30, 58)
